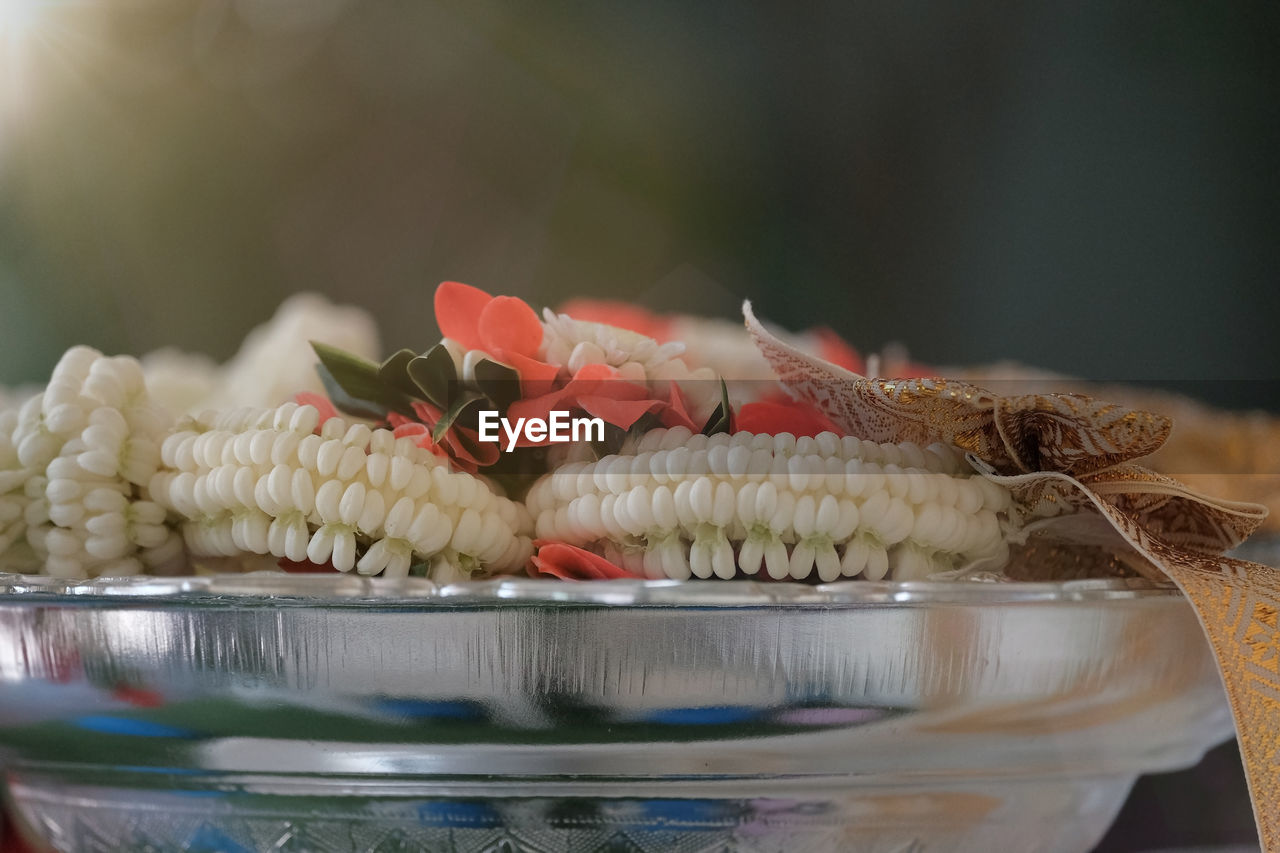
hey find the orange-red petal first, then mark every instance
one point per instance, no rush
(420, 433)
(466, 449)
(623, 315)
(458, 308)
(321, 403)
(509, 325)
(775, 418)
(620, 413)
(595, 373)
(537, 407)
(427, 413)
(536, 377)
(677, 413)
(566, 562)
(587, 381)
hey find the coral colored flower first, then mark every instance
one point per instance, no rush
(619, 314)
(597, 390)
(402, 427)
(460, 445)
(502, 326)
(321, 404)
(775, 417)
(566, 562)
(677, 412)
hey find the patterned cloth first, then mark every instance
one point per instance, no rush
(1069, 458)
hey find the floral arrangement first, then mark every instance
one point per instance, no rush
(721, 454)
(709, 461)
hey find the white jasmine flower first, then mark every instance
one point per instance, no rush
(274, 363)
(276, 360)
(262, 481)
(180, 381)
(678, 505)
(75, 460)
(572, 344)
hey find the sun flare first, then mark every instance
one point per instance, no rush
(19, 19)
(26, 34)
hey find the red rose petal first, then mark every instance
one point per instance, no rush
(458, 308)
(509, 325)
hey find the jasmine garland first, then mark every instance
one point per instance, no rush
(442, 463)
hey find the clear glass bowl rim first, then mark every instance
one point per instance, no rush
(282, 589)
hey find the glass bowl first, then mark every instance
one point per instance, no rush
(339, 713)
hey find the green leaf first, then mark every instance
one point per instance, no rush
(344, 402)
(353, 383)
(499, 382)
(394, 373)
(434, 375)
(721, 419)
(464, 411)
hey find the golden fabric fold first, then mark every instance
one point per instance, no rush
(1237, 603)
(1067, 456)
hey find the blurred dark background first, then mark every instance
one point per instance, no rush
(1088, 187)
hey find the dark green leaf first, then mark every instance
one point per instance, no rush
(394, 373)
(344, 402)
(358, 378)
(464, 412)
(498, 382)
(721, 419)
(434, 374)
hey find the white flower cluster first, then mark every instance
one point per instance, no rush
(263, 481)
(75, 461)
(274, 363)
(574, 343)
(676, 504)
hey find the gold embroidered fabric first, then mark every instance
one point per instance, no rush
(1216, 452)
(1069, 456)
